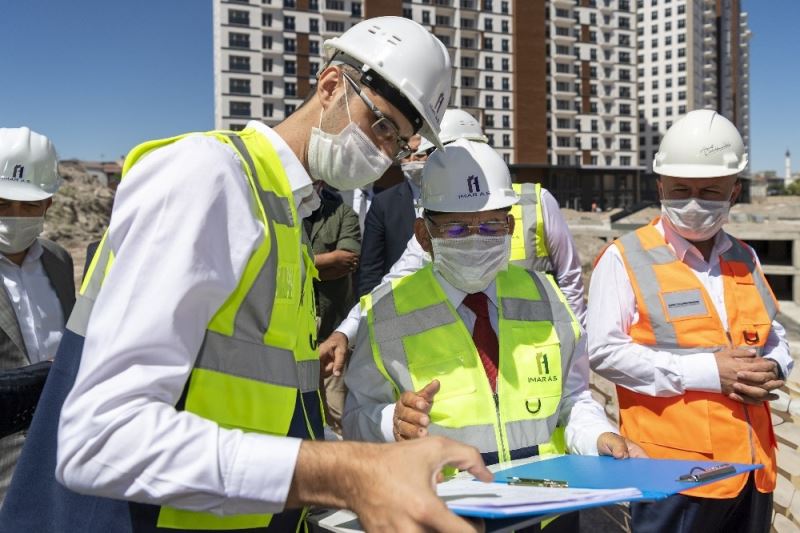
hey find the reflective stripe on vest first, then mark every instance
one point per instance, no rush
(677, 315)
(418, 336)
(260, 346)
(528, 243)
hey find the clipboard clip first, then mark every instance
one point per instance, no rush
(698, 473)
(534, 482)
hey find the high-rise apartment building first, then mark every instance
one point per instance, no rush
(554, 82)
(692, 54)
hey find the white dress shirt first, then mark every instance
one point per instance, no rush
(362, 201)
(35, 303)
(563, 253)
(371, 396)
(182, 230)
(612, 312)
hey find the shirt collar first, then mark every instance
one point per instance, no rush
(299, 180)
(456, 296)
(681, 246)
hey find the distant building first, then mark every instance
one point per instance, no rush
(574, 94)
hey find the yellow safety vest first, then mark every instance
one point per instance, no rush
(417, 336)
(529, 243)
(258, 366)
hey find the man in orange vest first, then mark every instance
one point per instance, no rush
(682, 320)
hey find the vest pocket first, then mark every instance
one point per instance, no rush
(681, 423)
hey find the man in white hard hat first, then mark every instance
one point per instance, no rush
(38, 288)
(682, 319)
(469, 346)
(196, 393)
(390, 224)
(541, 241)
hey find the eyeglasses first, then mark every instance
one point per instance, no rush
(383, 128)
(458, 230)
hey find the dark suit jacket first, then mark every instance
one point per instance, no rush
(57, 265)
(387, 229)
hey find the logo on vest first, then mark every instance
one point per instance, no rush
(543, 366)
(473, 188)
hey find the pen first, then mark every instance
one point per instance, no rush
(710, 473)
(533, 482)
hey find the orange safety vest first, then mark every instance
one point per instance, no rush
(677, 315)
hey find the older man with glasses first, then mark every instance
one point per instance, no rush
(469, 346)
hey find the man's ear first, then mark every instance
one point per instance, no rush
(327, 84)
(737, 190)
(511, 222)
(660, 188)
(422, 235)
(47, 203)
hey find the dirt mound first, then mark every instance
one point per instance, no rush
(80, 212)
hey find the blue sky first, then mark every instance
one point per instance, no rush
(100, 76)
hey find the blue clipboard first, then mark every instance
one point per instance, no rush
(656, 479)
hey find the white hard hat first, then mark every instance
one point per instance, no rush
(465, 177)
(403, 62)
(701, 144)
(456, 124)
(28, 166)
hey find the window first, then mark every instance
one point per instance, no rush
(487, 5)
(266, 65)
(668, 40)
(506, 102)
(681, 95)
(681, 9)
(488, 63)
(504, 27)
(563, 123)
(654, 70)
(238, 86)
(505, 84)
(426, 17)
(289, 45)
(504, 64)
(506, 140)
(337, 5)
(504, 45)
(266, 19)
(288, 23)
(313, 47)
(487, 43)
(290, 89)
(668, 69)
(681, 37)
(240, 109)
(467, 42)
(504, 8)
(682, 52)
(682, 80)
(624, 74)
(355, 9)
(681, 67)
(313, 67)
(488, 120)
(625, 161)
(624, 57)
(467, 101)
(334, 26)
(625, 126)
(625, 109)
(407, 13)
(595, 144)
(288, 109)
(563, 142)
(655, 84)
(668, 54)
(624, 92)
(489, 101)
(442, 20)
(445, 39)
(654, 99)
(267, 87)
(563, 160)
(313, 27)
(668, 82)
(238, 40)
(594, 125)
(238, 18)
(682, 23)
(506, 121)
(562, 49)
(681, 109)
(490, 136)
(239, 63)
(487, 24)
(290, 67)
(624, 23)
(269, 110)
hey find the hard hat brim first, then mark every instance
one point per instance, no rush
(23, 192)
(696, 171)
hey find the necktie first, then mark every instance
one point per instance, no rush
(484, 336)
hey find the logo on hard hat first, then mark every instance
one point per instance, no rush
(712, 149)
(16, 174)
(473, 188)
(437, 107)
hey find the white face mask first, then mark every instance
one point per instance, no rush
(18, 233)
(345, 160)
(694, 219)
(413, 171)
(471, 263)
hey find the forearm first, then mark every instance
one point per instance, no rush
(330, 474)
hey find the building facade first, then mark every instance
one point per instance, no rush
(692, 54)
(572, 93)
